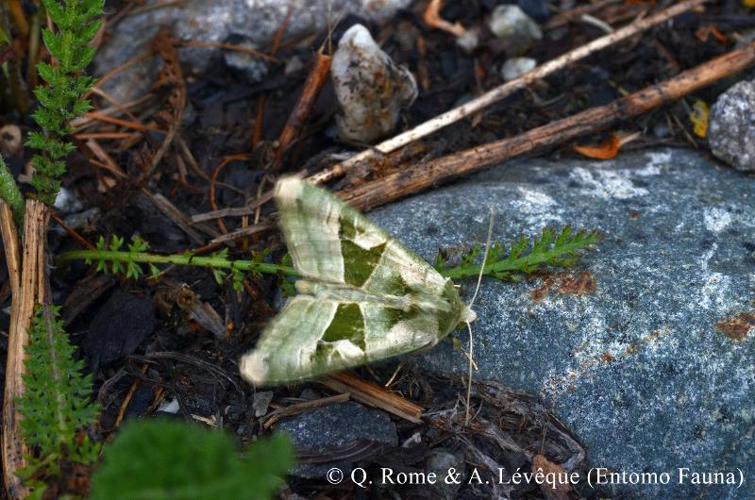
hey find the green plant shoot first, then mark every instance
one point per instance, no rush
(76, 23)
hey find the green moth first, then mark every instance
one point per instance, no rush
(363, 297)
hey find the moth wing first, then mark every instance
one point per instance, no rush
(311, 337)
(331, 242)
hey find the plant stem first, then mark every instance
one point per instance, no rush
(10, 193)
(181, 260)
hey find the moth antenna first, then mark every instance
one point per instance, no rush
(469, 375)
(471, 303)
(484, 258)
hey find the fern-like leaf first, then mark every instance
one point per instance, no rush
(164, 459)
(549, 249)
(56, 405)
(75, 24)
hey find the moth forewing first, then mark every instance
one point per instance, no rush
(364, 296)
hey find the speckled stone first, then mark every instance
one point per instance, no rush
(731, 134)
(651, 365)
(370, 88)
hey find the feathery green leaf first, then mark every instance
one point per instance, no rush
(549, 249)
(161, 459)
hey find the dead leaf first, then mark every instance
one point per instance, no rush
(432, 18)
(705, 32)
(699, 118)
(553, 490)
(606, 151)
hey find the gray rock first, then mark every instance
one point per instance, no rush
(517, 30)
(219, 21)
(337, 431)
(261, 402)
(731, 132)
(442, 462)
(653, 370)
(371, 89)
(253, 69)
(517, 66)
(469, 40)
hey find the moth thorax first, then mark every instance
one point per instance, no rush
(468, 315)
(305, 287)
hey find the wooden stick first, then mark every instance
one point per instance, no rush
(31, 293)
(374, 395)
(300, 114)
(10, 245)
(423, 176)
(504, 90)
(273, 417)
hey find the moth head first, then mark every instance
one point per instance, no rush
(288, 189)
(254, 368)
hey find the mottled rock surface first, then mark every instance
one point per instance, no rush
(251, 23)
(731, 132)
(646, 351)
(338, 430)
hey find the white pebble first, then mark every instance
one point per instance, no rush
(370, 88)
(517, 66)
(516, 29)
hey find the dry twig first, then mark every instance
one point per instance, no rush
(273, 417)
(374, 395)
(317, 78)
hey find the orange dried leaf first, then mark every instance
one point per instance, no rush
(749, 3)
(705, 32)
(432, 18)
(560, 488)
(699, 118)
(606, 151)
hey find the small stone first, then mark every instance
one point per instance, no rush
(171, 406)
(469, 40)
(731, 131)
(441, 461)
(517, 66)
(516, 29)
(371, 89)
(253, 68)
(293, 65)
(10, 140)
(78, 220)
(66, 201)
(261, 403)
